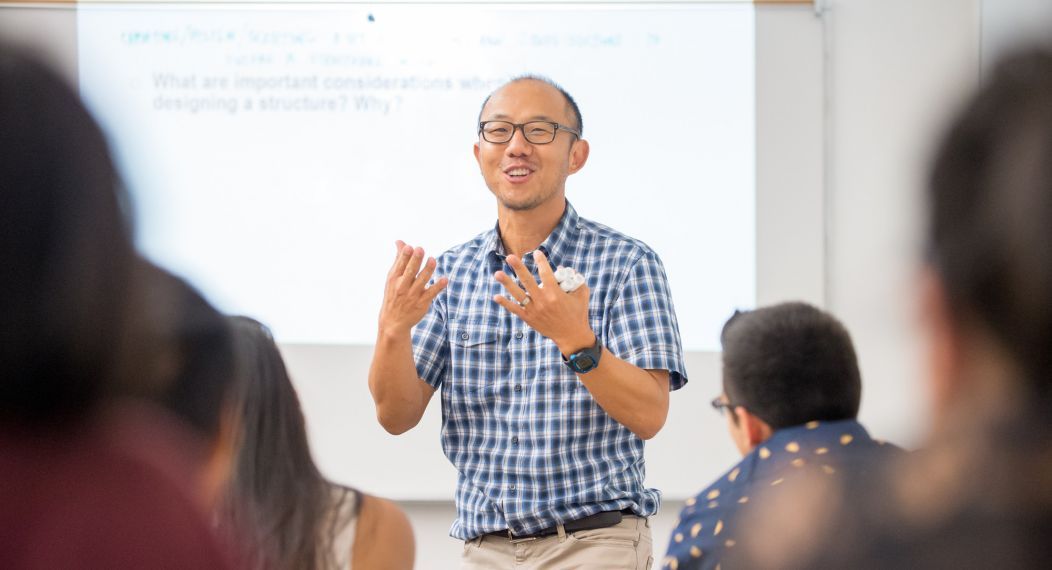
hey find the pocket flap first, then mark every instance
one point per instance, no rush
(473, 334)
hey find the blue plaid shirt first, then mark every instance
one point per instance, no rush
(531, 446)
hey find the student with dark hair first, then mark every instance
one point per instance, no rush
(188, 348)
(979, 495)
(86, 481)
(791, 391)
(292, 516)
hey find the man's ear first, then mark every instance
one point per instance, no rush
(578, 155)
(753, 430)
(945, 350)
(477, 156)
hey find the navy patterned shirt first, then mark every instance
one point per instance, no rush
(531, 446)
(708, 527)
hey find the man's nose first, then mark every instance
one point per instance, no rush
(518, 145)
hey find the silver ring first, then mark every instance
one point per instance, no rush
(525, 301)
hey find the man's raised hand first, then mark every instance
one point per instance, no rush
(556, 314)
(406, 295)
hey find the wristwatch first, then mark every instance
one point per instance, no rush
(586, 359)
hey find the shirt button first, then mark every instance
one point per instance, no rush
(515, 439)
(464, 336)
(518, 387)
(518, 335)
(512, 489)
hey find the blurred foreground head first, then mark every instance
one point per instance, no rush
(988, 297)
(65, 250)
(78, 489)
(980, 494)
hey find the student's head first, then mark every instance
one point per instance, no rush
(786, 365)
(988, 291)
(276, 495)
(526, 167)
(186, 361)
(66, 255)
(200, 352)
(273, 433)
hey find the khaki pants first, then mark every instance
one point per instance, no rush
(626, 545)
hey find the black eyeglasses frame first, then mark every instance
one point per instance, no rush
(522, 127)
(722, 406)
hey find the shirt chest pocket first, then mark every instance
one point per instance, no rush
(479, 354)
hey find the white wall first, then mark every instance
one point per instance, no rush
(49, 31)
(1007, 23)
(896, 70)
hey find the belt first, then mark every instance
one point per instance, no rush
(602, 519)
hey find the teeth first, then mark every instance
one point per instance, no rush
(518, 172)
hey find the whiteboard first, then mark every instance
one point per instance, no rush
(788, 231)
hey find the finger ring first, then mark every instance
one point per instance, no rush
(525, 301)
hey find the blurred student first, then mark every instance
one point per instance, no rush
(791, 393)
(87, 480)
(277, 498)
(193, 361)
(980, 495)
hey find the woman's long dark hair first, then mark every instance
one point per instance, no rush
(276, 500)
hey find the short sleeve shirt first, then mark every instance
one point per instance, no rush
(531, 446)
(710, 529)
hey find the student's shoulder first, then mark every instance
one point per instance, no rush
(384, 535)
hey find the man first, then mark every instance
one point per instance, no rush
(979, 495)
(547, 396)
(791, 390)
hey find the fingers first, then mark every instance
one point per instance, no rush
(544, 269)
(412, 267)
(527, 280)
(431, 292)
(509, 284)
(406, 269)
(401, 258)
(510, 305)
(425, 275)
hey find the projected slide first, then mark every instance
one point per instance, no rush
(276, 152)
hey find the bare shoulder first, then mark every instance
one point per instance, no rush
(384, 536)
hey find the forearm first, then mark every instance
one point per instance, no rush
(399, 394)
(636, 398)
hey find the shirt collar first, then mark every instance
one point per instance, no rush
(556, 246)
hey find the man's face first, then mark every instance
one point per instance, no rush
(520, 174)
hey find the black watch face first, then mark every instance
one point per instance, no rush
(584, 362)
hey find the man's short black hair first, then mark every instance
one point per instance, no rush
(790, 364)
(990, 213)
(575, 111)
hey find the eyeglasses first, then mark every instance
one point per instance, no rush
(721, 405)
(536, 132)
